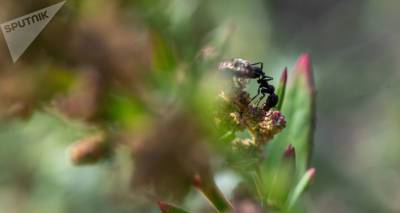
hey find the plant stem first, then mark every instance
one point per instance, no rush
(210, 190)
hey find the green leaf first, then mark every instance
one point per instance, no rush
(170, 208)
(299, 110)
(301, 187)
(166, 67)
(282, 88)
(280, 179)
(164, 57)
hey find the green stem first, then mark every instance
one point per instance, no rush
(259, 184)
(210, 190)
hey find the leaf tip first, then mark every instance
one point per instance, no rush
(282, 88)
(169, 208)
(284, 76)
(304, 63)
(304, 67)
(289, 151)
(311, 173)
(164, 207)
(196, 181)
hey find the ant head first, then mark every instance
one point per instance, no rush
(258, 71)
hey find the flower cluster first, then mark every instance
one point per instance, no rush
(236, 112)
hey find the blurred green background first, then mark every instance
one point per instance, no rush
(354, 45)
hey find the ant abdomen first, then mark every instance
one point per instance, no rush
(271, 101)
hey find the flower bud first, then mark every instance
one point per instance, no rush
(290, 152)
(273, 122)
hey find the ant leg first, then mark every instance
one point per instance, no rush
(261, 63)
(259, 100)
(258, 93)
(268, 78)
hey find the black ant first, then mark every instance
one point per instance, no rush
(243, 69)
(264, 87)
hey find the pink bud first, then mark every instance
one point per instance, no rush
(284, 76)
(164, 207)
(278, 118)
(290, 151)
(304, 67)
(311, 173)
(197, 181)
